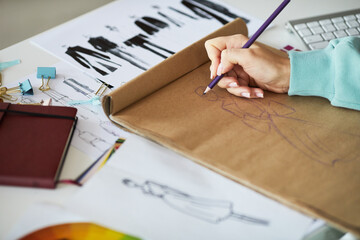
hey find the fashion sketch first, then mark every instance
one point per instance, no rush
(210, 210)
(266, 116)
(103, 60)
(105, 45)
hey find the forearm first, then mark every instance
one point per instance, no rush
(332, 73)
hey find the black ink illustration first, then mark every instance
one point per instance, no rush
(103, 44)
(142, 41)
(209, 210)
(267, 116)
(74, 52)
(182, 13)
(78, 87)
(147, 31)
(150, 25)
(220, 9)
(112, 28)
(170, 19)
(205, 9)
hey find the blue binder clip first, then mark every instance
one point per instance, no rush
(24, 88)
(45, 72)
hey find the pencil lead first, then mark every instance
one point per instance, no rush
(206, 90)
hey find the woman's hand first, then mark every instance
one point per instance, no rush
(247, 71)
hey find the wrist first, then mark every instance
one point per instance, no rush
(284, 78)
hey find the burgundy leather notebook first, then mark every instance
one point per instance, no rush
(33, 143)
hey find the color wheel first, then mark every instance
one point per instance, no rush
(77, 231)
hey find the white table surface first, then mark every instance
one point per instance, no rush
(15, 200)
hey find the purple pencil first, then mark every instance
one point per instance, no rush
(251, 40)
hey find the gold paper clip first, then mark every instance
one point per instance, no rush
(101, 90)
(44, 87)
(34, 103)
(5, 96)
(95, 100)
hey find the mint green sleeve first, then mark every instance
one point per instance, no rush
(332, 73)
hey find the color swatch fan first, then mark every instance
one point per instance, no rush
(77, 231)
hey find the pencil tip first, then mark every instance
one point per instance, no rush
(206, 90)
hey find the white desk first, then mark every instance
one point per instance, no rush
(15, 200)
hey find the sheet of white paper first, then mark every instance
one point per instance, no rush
(122, 39)
(94, 132)
(154, 193)
(39, 216)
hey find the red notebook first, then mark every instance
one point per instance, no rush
(34, 141)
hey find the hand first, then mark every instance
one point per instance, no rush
(247, 71)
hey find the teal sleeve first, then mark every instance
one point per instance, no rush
(332, 73)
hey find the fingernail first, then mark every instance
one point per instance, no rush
(233, 84)
(245, 94)
(211, 76)
(219, 70)
(260, 95)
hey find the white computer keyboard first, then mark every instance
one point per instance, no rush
(316, 32)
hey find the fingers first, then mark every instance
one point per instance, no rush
(239, 87)
(231, 57)
(247, 92)
(215, 46)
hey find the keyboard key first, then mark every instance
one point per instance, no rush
(358, 15)
(337, 19)
(313, 24)
(313, 38)
(353, 23)
(352, 32)
(350, 17)
(340, 25)
(317, 30)
(329, 28)
(305, 32)
(300, 26)
(328, 36)
(325, 22)
(340, 33)
(319, 45)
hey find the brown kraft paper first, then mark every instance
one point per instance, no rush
(300, 151)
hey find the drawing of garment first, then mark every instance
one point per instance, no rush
(77, 51)
(305, 136)
(150, 25)
(207, 10)
(220, 9)
(210, 210)
(93, 140)
(141, 40)
(105, 45)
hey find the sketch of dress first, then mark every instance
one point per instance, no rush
(266, 116)
(209, 210)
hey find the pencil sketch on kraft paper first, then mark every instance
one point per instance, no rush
(210, 210)
(266, 116)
